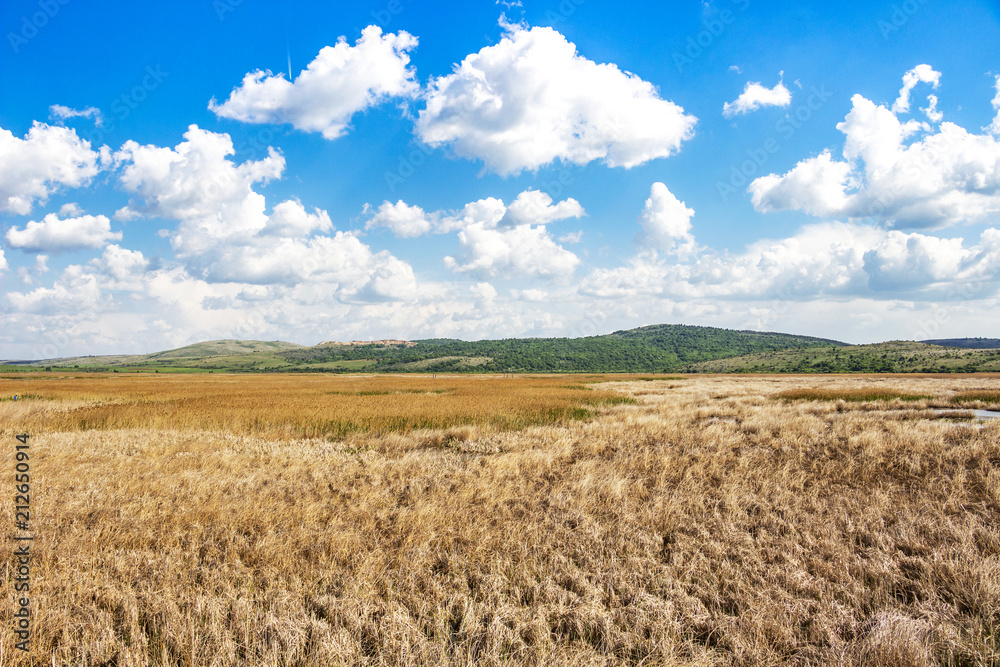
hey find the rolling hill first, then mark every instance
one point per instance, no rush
(650, 349)
(654, 348)
(891, 357)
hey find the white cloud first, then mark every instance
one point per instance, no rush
(754, 96)
(531, 100)
(3, 261)
(536, 207)
(931, 110)
(484, 292)
(124, 267)
(665, 220)
(919, 74)
(824, 260)
(900, 174)
(533, 295)
(197, 185)
(522, 251)
(54, 234)
(344, 265)
(290, 218)
(225, 236)
(403, 220)
(903, 261)
(73, 292)
(62, 112)
(487, 212)
(70, 210)
(33, 168)
(28, 275)
(341, 81)
(815, 185)
(530, 207)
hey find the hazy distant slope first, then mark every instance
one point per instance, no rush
(209, 354)
(215, 348)
(968, 343)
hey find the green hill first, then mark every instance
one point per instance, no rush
(228, 347)
(891, 357)
(650, 349)
(655, 348)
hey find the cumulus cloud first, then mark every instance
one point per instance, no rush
(226, 235)
(824, 260)
(754, 96)
(196, 184)
(665, 220)
(487, 212)
(536, 207)
(341, 81)
(497, 239)
(53, 233)
(120, 269)
(919, 74)
(46, 158)
(484, 292)
(815, 185)
(403, 220)
(70, 210)
(523, 251)
(532, 99)
(62, 112)
(75, 290)
(902, 261)
(530, 207)
(290, 218)
(3, 261)
(900, 174)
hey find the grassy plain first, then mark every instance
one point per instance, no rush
(233, 520)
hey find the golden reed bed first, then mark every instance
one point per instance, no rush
(319, 520)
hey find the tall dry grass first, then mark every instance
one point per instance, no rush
(710, 523)
(294, 406)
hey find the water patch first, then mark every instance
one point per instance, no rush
(977, 415)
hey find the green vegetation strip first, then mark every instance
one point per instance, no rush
(853, 395)
(974, 396)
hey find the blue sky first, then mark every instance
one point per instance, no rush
(411, 169)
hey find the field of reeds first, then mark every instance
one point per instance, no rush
(574, 520)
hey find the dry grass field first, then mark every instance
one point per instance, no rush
(321, 520)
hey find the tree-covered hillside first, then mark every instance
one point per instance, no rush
(648, 349)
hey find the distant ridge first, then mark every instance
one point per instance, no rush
(967, 343)
(384, 343)
(648, 349)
